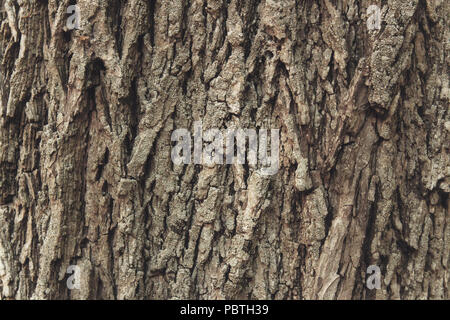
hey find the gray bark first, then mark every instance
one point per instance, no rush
(86, 176)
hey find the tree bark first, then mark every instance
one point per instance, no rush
(86, 176)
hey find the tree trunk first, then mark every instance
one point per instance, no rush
(87, 179)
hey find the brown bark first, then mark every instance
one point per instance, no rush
(86, 176)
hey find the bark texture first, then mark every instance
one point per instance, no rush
(86, 176)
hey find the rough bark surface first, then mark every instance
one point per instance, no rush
(86, 176)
